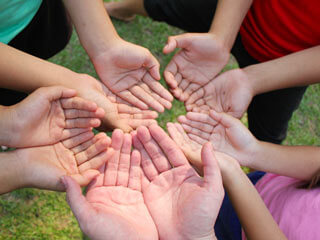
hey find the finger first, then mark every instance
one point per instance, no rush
(224, 119)
(193, 87)
(135, 171)
(124, 162)
(86, 177)
(175, 134)
(82, 123)
(78, 103)
(77, 202)
(77, 140)
(168, 146)
(129, 97)
(137, 113)
(69, 133)
(93, 150)
(184, 84)
(56, 92)
(135, 123)
(197, 139)
(87, 144)
(170, 79)
(179, 41)
(76, 113)
(197, 125)
(144, 96)
(97, 161)
(157, 88)
(201, 117)
(196, 96)
(191, 130)
(212, 175)
(148, 167)
(157, 156)
(153, 66)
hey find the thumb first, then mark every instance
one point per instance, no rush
(57, 92)
(77, 202)
(224, 119)
(153, 66)
(211, 170)
(179, 41)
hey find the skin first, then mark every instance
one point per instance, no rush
(42, 167)
(114, 206)
(47, 116)
(182, 204)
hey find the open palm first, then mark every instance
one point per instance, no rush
(114, 207)
(50, 115)
(132, 73)
(229, 92)
(200, 59)
(227, 134)
(78, 157)
(181, 203)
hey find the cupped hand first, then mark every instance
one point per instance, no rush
(201, 59)
(182, 204)
(114, 207)
(226, 133)
(132, 73)
(78, 157)
(230, 92)
(50, 115)
(117, 114)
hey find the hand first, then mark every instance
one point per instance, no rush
(114, 207)
(116, 115)
(47, 116)
(132, 73)
(182, 204)
(201, 59)
(78, 157)
(192, 150)
(230, 92)
(227, 134)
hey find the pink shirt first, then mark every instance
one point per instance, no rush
(297, 211)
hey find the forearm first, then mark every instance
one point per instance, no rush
(300, 162)
(11, 175)
(297, 69)
(254, 216)
(228, 19)
(21, 71)
(93, 25)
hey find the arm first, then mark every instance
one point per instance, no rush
(253, 214)
(298, 69)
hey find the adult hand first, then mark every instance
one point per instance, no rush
(132, 73)
(230, 92)
(78, 157)
(227, 134)
(47, 116)
(201, 58)
(114, 207)
(117, 115)
(182, 204)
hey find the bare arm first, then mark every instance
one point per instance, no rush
(298, 69)
(228, 19)
(253, 214)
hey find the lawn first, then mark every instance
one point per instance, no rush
(35, 214)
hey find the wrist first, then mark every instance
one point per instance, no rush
(8, 126)
(254, 78)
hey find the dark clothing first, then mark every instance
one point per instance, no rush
(268, 113)
(46, 35)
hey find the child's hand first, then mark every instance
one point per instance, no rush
(227, 134)
(47, 116)
(78, 157)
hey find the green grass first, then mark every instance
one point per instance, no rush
(35, 214)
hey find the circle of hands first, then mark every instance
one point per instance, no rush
(152, 191)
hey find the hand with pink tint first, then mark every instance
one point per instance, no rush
(226, 133)
(113, 207)
(132, 73)
(182, 204)
(78, 157)
(230, 92)
(200, 60)
(47, 116)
